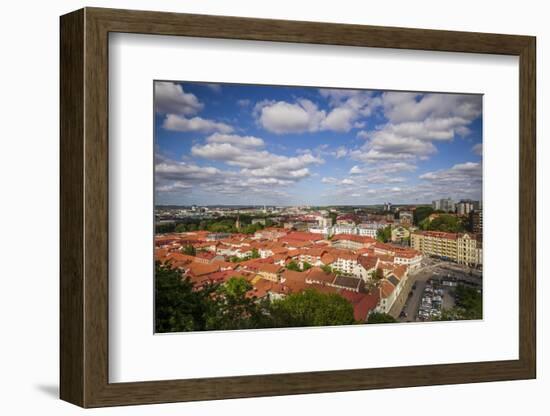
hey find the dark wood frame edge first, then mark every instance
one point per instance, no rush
(84, 207)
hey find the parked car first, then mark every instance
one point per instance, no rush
(435, 313)
(423, 315)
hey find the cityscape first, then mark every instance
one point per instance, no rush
(295, 206)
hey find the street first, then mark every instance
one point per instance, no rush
(410, 304)
(431, 269)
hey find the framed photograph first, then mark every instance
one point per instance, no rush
(257, 207)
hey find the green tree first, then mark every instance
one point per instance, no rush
(181, 306)
(178, 307)
(421, 213)
(380, 318)
(326, 268)
(311, 308)
(181, 228)
(251, 228)
(306, 266)
(189, 250)
(233, 309)
(384, 234)
(469, 305)
(292, 265)
(447, 223)
(164, 228)
(376, 277)
(333, 216)
(255, 254)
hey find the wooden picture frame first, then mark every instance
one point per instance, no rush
(84, 207)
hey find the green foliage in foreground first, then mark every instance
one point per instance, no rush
(311, 308)
(180, 306)
(380, 318)
(177, 306)
(469, 305)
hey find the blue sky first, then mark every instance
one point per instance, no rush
(277, 145)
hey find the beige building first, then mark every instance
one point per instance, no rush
(462, 248)
(399, 233)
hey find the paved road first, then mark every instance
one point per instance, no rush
(432, 269)
(413, 303)
(420, 277)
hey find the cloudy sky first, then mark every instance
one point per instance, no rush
(249, 144)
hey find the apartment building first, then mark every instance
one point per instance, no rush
(462, 248)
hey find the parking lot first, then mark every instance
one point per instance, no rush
(430, 290)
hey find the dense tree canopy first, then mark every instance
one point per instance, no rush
(421, 213)
(215, 225)
(180, 306)
(469, 305)
(231, 308)
(380, 318)
(444, 222)
(311, 308)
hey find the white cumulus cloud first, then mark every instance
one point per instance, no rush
(171, 98)
(242, 141)
(179, 123)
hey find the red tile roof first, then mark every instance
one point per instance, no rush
(225, 264)
(362, 303)
(438, 234)
(208, 255)
(296, 243)
(328, 259)
(368, 262)
(386, 289)
(294, 253)
(200, 269)
(296, 286)
(316, 274)
(269, 268)
(180, 257)
(355, 238)
(400, 271)
(160, 254)
(303, 236)
(292, 276)
(409, 254)
(348, 256)
(314, 252)
(279, 257)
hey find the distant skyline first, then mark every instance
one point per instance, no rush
(232, 144)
